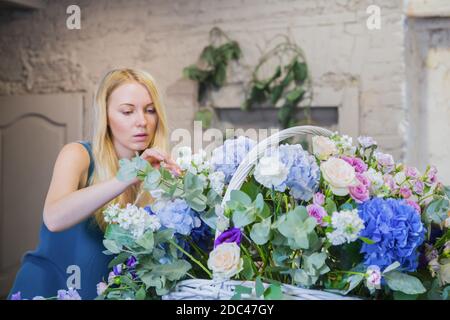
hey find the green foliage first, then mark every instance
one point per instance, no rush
(210, 72)
(404, 283)
(288, 84)
(298, 227)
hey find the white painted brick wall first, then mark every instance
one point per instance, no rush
(40, 55)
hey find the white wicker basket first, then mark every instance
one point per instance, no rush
(202, 289)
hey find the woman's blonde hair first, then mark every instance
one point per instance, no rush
(105, 157)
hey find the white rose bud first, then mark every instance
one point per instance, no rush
(323, 147)
(339, 174)
(270, 172)
(225, 260)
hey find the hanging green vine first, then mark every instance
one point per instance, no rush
(289, 84)
(210, 72)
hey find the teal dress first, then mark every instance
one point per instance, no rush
(77, 251)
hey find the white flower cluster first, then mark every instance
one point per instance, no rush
(198, 164)
(134, 219)
(195, 163)
(344, 143)
(346, 224)
(376, 181)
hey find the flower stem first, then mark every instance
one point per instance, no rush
(192, 258)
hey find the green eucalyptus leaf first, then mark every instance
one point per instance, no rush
(140, 294)
(112, 246)
(403, 282)
(146, 241)
(273, 292)
(118, 234)
(260, 232)
(127, 171)
(391, 267)
(172, 271)
(259, 287)
(243, 218)
(120, 258)
(240, 197)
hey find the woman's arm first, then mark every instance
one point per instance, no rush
(65, 205)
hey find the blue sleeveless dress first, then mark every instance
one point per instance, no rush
(61, 255)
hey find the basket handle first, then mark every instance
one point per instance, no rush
(257, 151)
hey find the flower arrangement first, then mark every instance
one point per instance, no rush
(70, 294)
(170, 239)
(345, 219)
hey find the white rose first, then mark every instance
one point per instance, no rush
(339, 174)
(270, 172)
(323, 147)
(225, 260)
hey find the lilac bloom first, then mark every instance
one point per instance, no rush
(230, 235)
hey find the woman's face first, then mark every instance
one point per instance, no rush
(132, 119)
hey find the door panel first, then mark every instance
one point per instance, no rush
(33, 129)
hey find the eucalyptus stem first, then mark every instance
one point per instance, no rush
(350, 272)
(192, 258)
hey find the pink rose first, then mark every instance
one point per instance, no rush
(363, 179)
(319, 198)
(405, 192)
(360, 193)
(356, 163)
(418, 187)
(317, 212)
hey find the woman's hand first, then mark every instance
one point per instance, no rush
(155, 157)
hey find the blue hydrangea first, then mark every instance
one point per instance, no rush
(397, 231)
(201, 236)
(304, 173)
(229, 156)
(177, 215)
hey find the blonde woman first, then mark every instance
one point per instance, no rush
(129, 118)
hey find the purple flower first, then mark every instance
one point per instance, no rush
(411, 172)
(319, 198)
(359, 165)
(360, 193)
(418, 187)
(432, 174)
(117, 269)
(363, 180)
(389, 181)
(317, 212)
(405, 192)
(385, 162)
(413, 204)
(149, 210)
(230, 235)
(16, 296)
(70, 294)
(131, 262)
(133, 274)
(366, 142)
